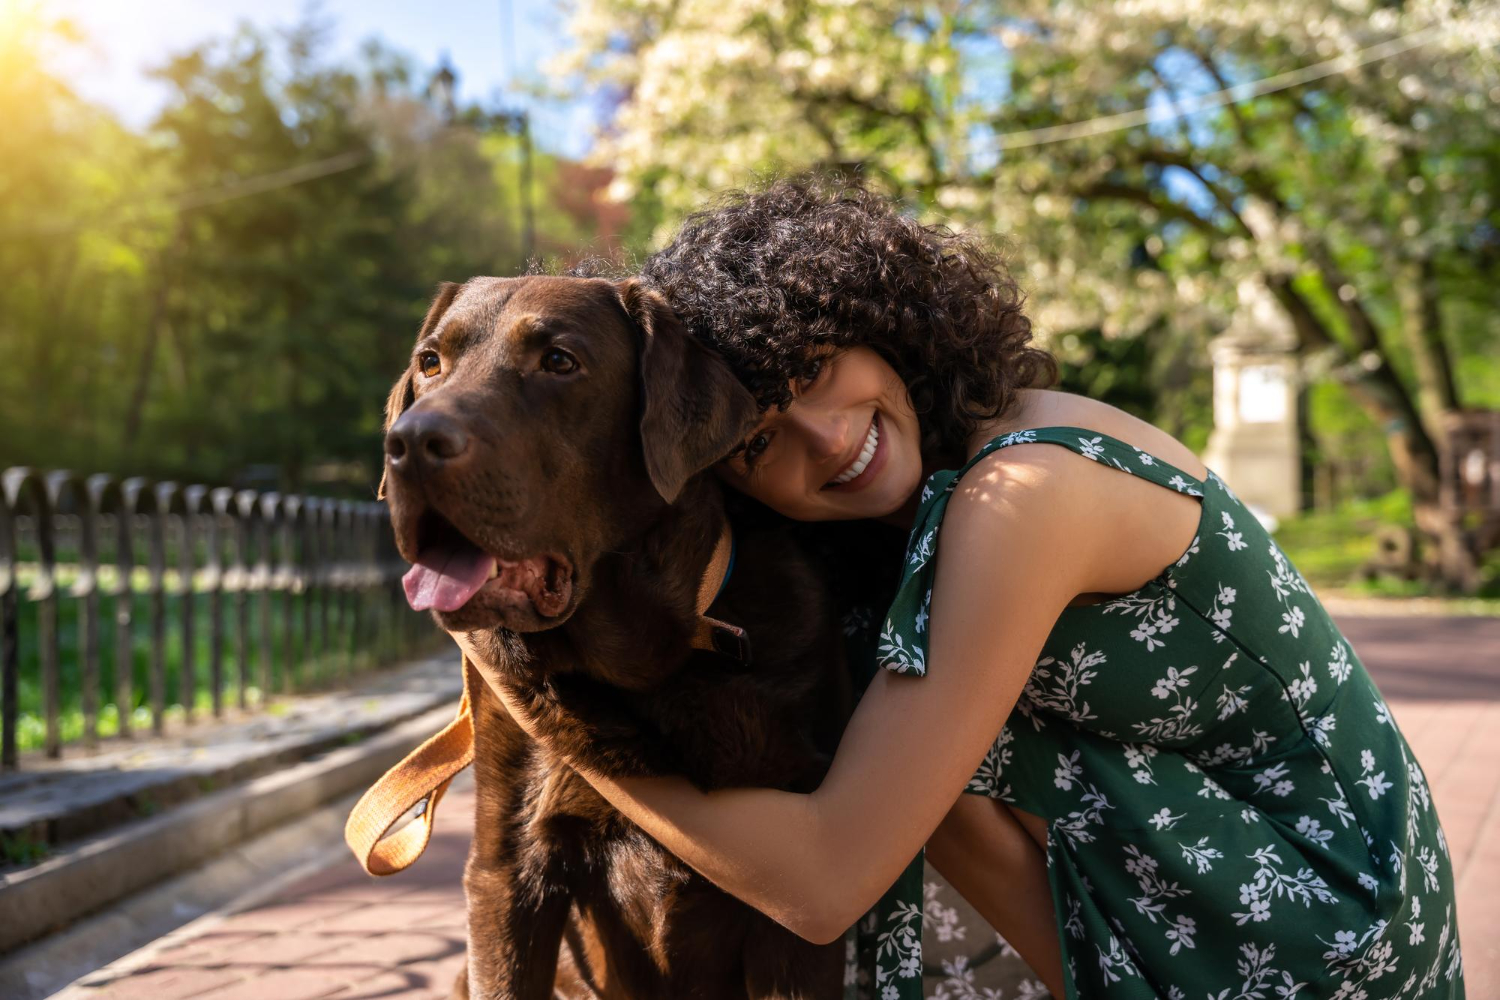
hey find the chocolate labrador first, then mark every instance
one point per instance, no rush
(546, 457)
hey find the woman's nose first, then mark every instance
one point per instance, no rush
(825, 432)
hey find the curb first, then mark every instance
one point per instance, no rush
(131, 932)
(45, 899)
(1408, 607)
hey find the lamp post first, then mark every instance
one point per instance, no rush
(441, 88)
(441, 91)
(520, 121)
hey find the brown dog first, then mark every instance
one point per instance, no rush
(545, 471)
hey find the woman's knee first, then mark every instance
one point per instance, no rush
(977, 825)
(1034, 825)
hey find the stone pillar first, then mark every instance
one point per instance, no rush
(1254, 444)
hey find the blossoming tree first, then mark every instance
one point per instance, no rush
(1360, 190)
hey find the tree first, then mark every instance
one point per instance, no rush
(63, 164)
(1364, 199)
(239, 285)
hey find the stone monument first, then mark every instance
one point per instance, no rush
(1254, 444)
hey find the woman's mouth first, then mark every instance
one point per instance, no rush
(866, 464)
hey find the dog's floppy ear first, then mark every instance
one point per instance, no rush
(694, 409)
(401, 393)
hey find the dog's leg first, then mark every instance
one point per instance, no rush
(514, 936)
(779, 965)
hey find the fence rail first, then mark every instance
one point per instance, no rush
(323, 576)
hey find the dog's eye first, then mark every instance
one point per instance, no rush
(558, 362)
(429, 364)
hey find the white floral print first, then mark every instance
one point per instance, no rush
(1222, 826)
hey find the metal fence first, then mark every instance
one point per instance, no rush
(311, 585)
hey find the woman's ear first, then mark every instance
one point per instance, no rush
(694, 411)
(402, 393)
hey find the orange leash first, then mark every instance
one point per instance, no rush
(426, 772)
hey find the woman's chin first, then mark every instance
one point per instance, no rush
(878, 500)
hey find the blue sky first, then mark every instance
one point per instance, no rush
(125, 36)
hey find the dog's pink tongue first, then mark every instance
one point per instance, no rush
(446, 576)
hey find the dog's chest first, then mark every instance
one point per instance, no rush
(606, 862)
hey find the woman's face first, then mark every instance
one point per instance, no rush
(847, 447)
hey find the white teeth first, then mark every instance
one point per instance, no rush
(865, 454)
(495, 569)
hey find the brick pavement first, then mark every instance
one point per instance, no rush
(339, 933)
(335, 933)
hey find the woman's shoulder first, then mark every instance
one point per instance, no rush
(1128, 528)
(1036, 408)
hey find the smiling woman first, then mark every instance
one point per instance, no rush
(1193, 786)
(849, 448)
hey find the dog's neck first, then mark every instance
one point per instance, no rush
(634, 628)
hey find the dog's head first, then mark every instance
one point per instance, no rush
(542, 422)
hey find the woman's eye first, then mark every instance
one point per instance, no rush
(755, 447)
(558, 362)
(819, 368)
(429, 364)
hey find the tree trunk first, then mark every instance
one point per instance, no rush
(1413, 449)
(1454, 548)
(1437, 392)
(132, 425)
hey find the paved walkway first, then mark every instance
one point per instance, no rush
(339, 933)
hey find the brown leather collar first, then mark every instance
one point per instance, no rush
(711, 633)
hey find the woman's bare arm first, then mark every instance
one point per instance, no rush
(1016, 546)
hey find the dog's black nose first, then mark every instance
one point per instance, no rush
(424, 439)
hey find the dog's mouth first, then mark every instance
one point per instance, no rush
(450, 570)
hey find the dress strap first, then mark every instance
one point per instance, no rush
(1100, 447)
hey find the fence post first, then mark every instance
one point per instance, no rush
(333, 555)
(21, 483)
(10, 655)
(62, 485)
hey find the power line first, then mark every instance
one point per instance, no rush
(301, 173)
(262, 183)
(1219, 98)
(508, 31)
(259, 184)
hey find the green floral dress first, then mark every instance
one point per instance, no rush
(1231, 811)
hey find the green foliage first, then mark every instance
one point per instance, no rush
(19, 849)
(179, 306)
(1365, 200)
(1329, 547)
(1157, 376)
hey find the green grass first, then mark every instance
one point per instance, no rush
(314, 668)
(19, 849)
(1328, 548)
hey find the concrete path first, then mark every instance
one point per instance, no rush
(338, 933)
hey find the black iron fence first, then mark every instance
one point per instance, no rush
(114, 594)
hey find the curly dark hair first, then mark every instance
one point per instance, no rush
(767, 277)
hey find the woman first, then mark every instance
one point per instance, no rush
(1196, 788)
